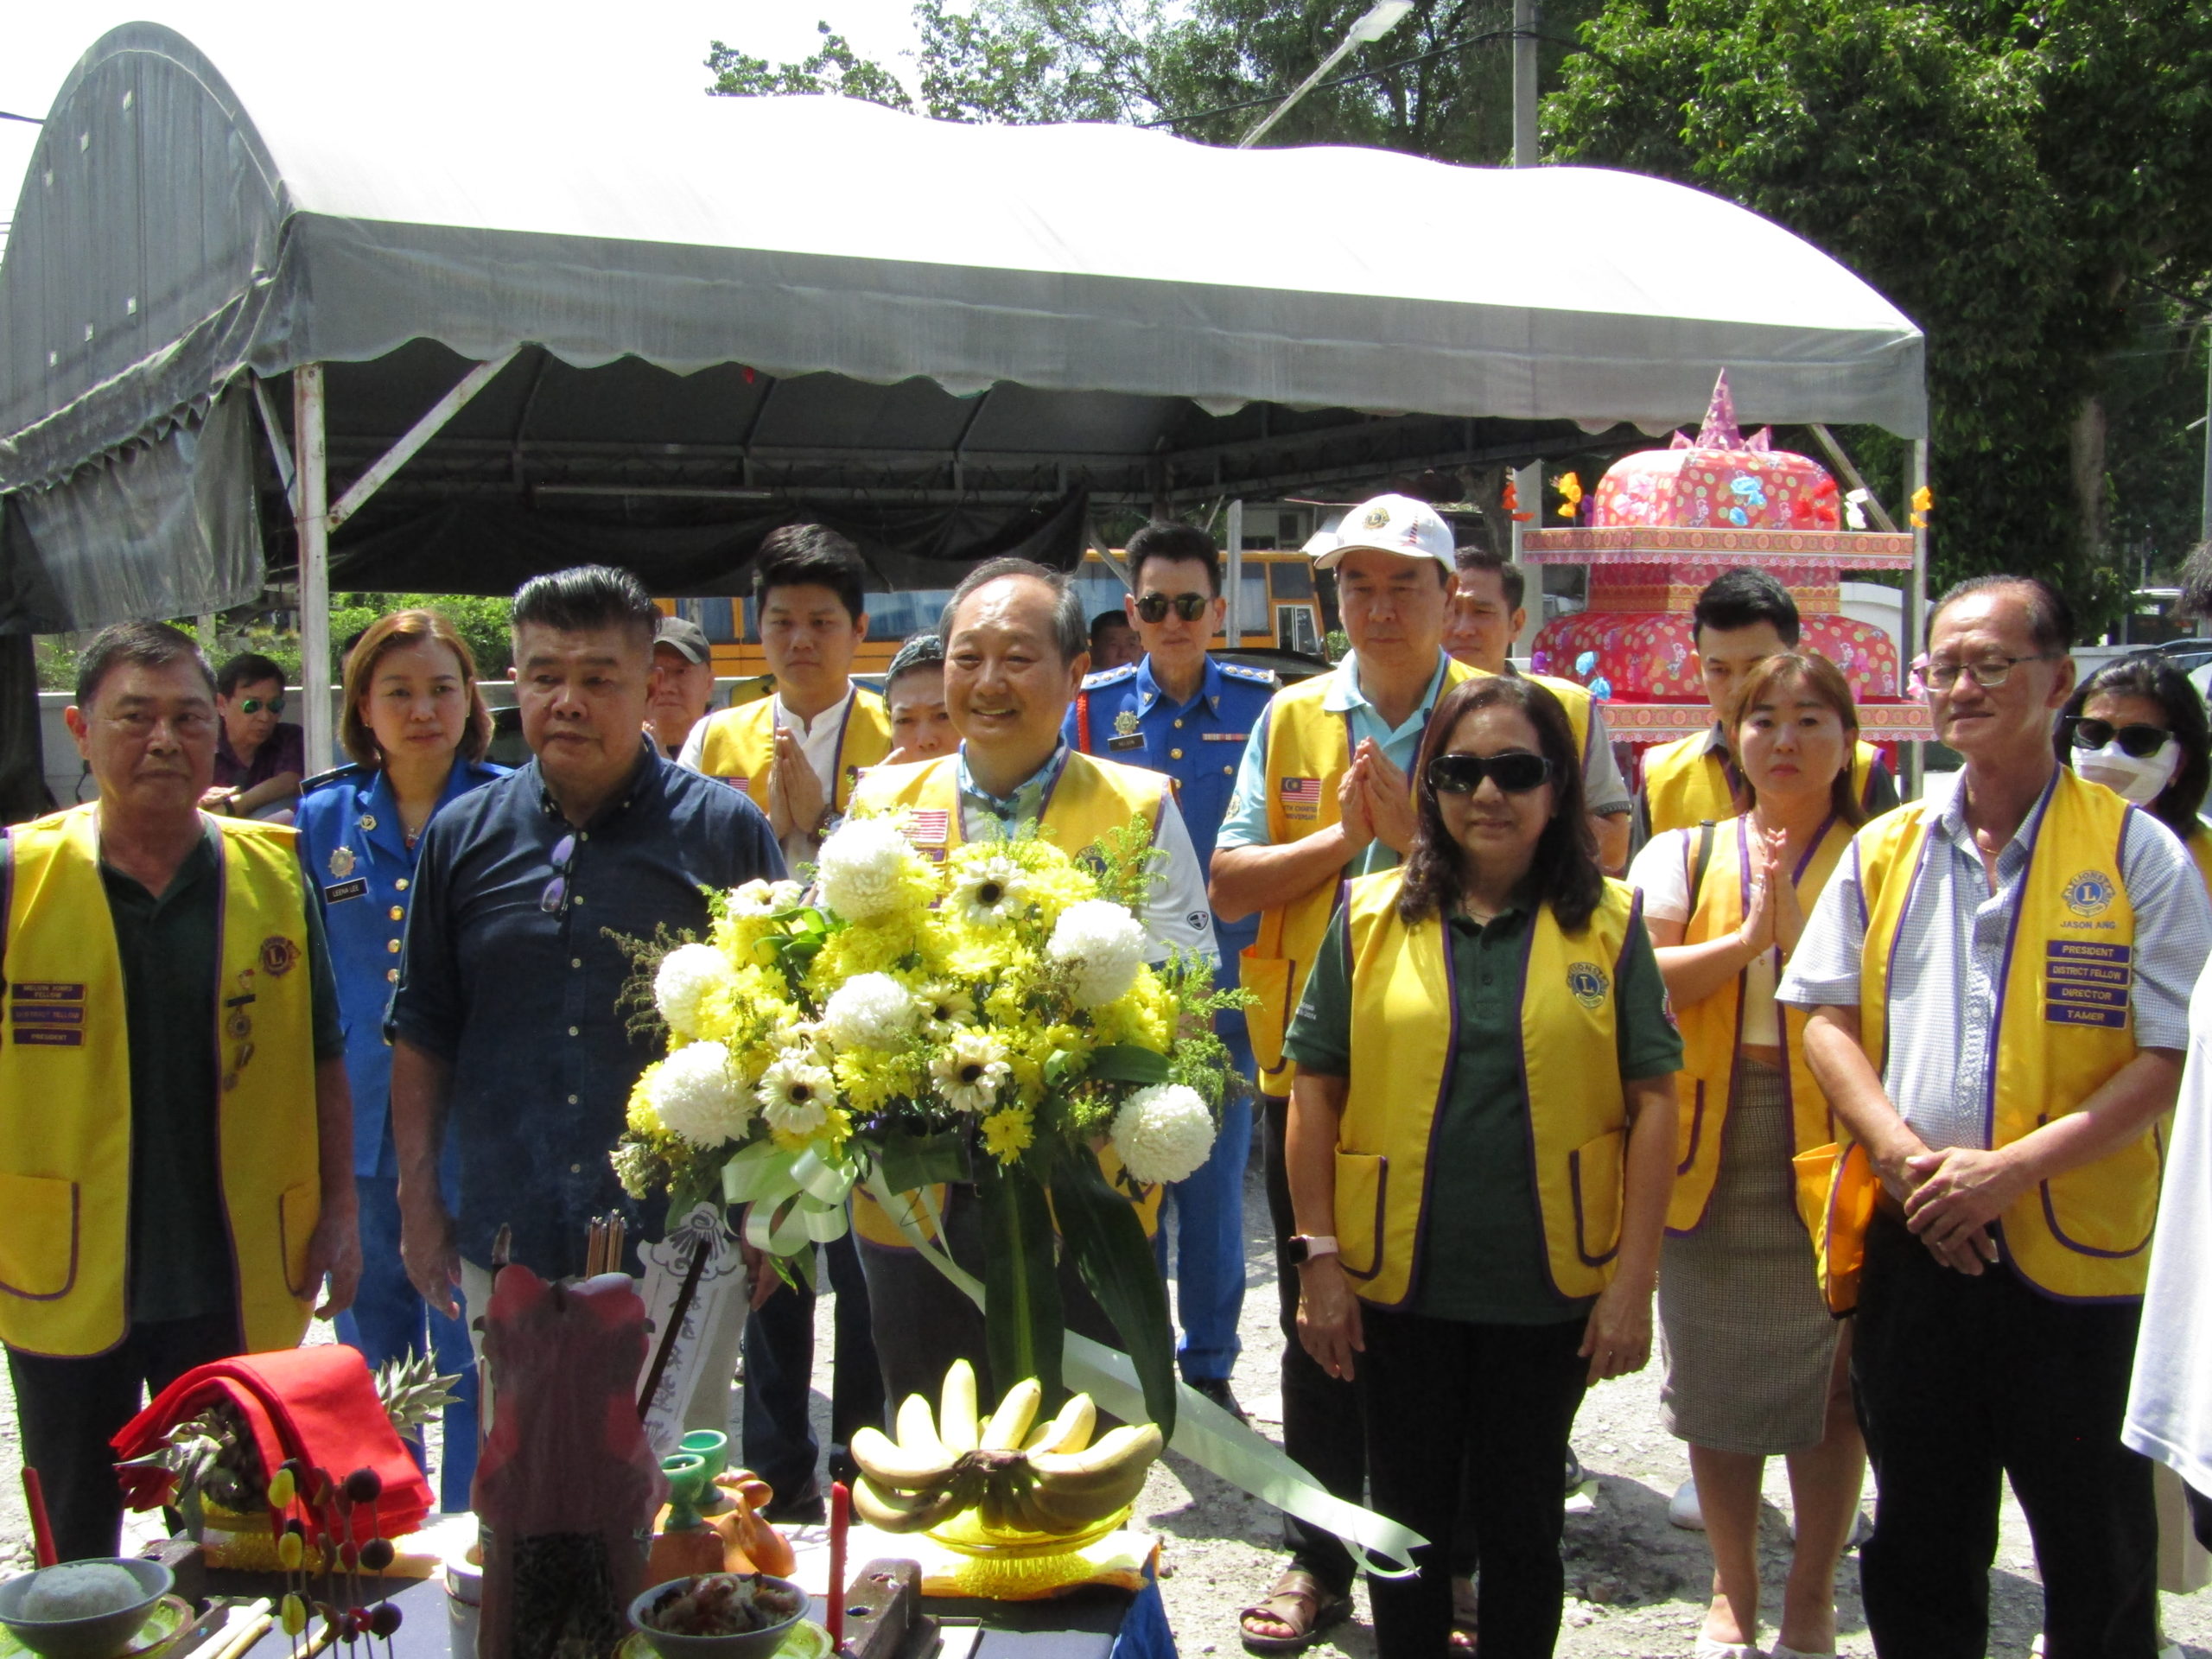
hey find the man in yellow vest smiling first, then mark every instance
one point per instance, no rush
(175, 1128)
(1323, 795)
(1016, 652)
(1999, 992)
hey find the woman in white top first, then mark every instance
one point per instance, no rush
(1755, 1365)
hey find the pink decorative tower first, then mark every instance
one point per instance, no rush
(1665, 522)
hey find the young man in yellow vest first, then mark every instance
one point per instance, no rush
(1487, 616)
(1323, 794)
(1999, 991)
(798, 752)
(1742, 618)
(1016, 650)
(175, 1128)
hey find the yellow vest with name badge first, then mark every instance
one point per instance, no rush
(2064, 1026)
(65, 1090)
(1684, 784)
(1309, 751)
(1712, 1028)
(740, 745)
(1404, 1024)
(1089, 797)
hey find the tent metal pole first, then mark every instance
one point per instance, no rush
(1232, 624)
(420, 433)
(312, 457)
(1916, 609)
(279, 446)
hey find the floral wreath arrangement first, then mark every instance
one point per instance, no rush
(987, 1018)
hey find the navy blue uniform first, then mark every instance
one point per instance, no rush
(1123, 715)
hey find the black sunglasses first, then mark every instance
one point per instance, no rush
(2141, 741)
(255, 705)
(556, 890)
(1516, 773)
(1190, 607)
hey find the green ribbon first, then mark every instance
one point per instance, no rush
(1204, 1432)
(796, 1199)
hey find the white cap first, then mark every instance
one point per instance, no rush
(1392, 524)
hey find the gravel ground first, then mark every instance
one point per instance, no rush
(1635, 1586)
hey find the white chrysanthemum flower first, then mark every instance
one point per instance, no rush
(971, 1070)
(686, 978)
(860, 866)
(697, 1098)
(869, 1011)
(946, 1008)
(795, 1094)
(1163, 1132)
(1105, 945)
(991, 893)
(758, 898)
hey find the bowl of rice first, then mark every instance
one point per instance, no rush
(83, 1610)
(719, 1616)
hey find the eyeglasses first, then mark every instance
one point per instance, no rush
(1989, 673)
(2141, 741)
(1153, 607)
(1515, 772)
(255, 705)
(556, 890)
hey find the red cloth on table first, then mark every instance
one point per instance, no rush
(318, 1405)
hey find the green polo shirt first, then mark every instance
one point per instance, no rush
(1482, 1246)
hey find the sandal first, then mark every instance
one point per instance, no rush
(1297, 1601)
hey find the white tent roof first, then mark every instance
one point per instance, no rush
(185, 221)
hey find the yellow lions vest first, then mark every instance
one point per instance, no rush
(1309, 751)
(1713, 1029)
(2200, 849)
(1684, 783)
(65, 1091)
(739, 746)
(2064, 1026)
(1089, 797)
(1404, 1023)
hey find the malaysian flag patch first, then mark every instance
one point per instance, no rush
(927, 826)
(1301, 797)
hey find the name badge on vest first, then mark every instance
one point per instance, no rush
(47, 1014)
(1134, 741)
(2087, 984)
(345, 890)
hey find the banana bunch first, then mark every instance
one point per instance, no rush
(1020, 1475)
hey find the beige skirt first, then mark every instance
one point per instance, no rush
(1748, 1341)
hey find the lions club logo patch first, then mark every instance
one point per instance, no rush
(278, 956)
(1587, 981)
(2090, 894)
(1377, 517)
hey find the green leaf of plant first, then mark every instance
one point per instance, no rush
(1127, 1063)
(1023, 1327)
(909, 1162)
(1106, 1239)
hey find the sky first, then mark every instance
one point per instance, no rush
(654, 50)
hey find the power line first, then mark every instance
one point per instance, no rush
(29, 120)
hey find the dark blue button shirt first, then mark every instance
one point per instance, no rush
(1123, 715)
(356, 852)
(522, 1004)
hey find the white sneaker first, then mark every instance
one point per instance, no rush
(1682, 1508)
(1709, 1649)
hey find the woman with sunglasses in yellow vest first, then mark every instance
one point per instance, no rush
(1479, 1151)
(2137, 726)
(1756, 1366)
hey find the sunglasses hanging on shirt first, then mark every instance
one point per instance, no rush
(1154, 607)
(1516, 774)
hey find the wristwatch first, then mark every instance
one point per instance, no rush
(1302, 1248)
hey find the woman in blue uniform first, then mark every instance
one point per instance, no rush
(416, 728)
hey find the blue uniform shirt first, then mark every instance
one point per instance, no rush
(1123, 715)
(356, 854)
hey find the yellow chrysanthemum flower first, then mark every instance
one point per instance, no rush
(1007, 1134)
(638, 1116)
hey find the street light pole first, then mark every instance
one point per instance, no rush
(1374, 24)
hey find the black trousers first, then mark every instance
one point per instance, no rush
(1483, 1410)
(1959, 1382)
(69, 1409)
(778, 1436)
(1322, 1428)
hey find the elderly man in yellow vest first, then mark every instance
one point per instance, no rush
(1323, 795)
(1999, 992)
(1015, 653)
(798, 752)
(176, 1130)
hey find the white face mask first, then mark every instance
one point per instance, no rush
(2140, 781)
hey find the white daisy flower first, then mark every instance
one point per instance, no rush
(757, 898)
(869, 1011)
(991, 892)
(686, 978)
(969, 1071)
(1105, 945)
(698, 1099)
(945, 1007)
(1163, 1132)
(860, 868)
(795, 1094)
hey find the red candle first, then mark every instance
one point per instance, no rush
(840, 1518)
